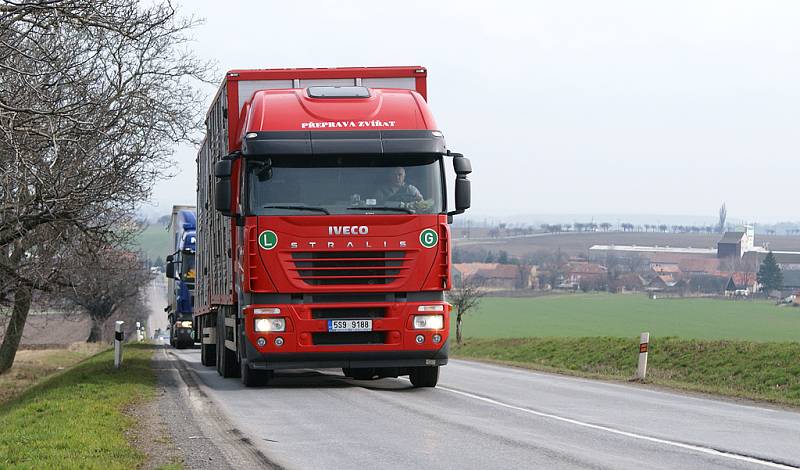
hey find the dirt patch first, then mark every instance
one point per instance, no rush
(150, 436)
(52, 329)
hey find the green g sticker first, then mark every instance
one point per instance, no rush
(268, 240)
(428, 238)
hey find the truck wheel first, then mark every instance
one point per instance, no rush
(208, 352)
(424, 376)
(253, 377)
(208, 355)
(226, 359)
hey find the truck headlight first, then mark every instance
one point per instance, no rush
(428, 322)
(185, 324)
(270, 324)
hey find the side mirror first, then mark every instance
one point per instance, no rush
(462, 166)
(463, 190)
(463, 194)
(222, 188)
(170, 268)
(222, 196)
(222, 169)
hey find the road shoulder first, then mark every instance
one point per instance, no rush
(203, 436)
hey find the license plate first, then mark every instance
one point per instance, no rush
(349, 325)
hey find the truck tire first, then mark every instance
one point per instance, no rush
(253, 377)
(226, 359)
(208, 355)
(424, 376)
(208, 352)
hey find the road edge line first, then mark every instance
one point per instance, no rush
(657, 440)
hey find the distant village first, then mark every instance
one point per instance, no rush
(731, 269)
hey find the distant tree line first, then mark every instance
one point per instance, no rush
(625, 227)
(481, 255)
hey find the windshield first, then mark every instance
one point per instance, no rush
(187, 267)
(345, 185)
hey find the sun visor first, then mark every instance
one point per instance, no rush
(269, 143)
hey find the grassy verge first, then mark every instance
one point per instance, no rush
(74, 419)
(746, 369)
(32, 366)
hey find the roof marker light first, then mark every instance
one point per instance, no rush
(437, 134)
(431, 308)
(250, 135)
(267, 311)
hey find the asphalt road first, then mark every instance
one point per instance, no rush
(484, 416)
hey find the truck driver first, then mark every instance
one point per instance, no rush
(396, 189)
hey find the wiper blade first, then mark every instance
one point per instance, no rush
(378, 208)
(300, 208)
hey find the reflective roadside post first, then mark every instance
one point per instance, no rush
(644, 343)
(118, 337)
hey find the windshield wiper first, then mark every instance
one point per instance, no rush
(300, 208)
(378, 208)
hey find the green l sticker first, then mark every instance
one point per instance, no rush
(428, 238)
(268, 240)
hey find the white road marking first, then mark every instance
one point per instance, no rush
(704, 450)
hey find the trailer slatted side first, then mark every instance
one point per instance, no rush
(214, 267)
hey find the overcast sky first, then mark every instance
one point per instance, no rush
(576, 107)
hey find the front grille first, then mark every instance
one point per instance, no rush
(358, 297)
(355, 312)
(360, 337)
(339, 268)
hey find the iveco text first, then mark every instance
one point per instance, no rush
(348, 230)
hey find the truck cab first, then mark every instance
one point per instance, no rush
(336, 202)
(181, 274)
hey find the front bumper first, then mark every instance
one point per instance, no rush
(354, 360)
(184, 335)
(307, 343)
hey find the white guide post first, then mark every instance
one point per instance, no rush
(118, 337)
(644, 344)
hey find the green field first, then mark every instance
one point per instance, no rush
(579, 315)
(154, 242)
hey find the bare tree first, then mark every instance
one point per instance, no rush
(93, 96)
(103, 282)
(723, 214)
(465, 298)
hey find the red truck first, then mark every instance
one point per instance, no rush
(323, 226)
